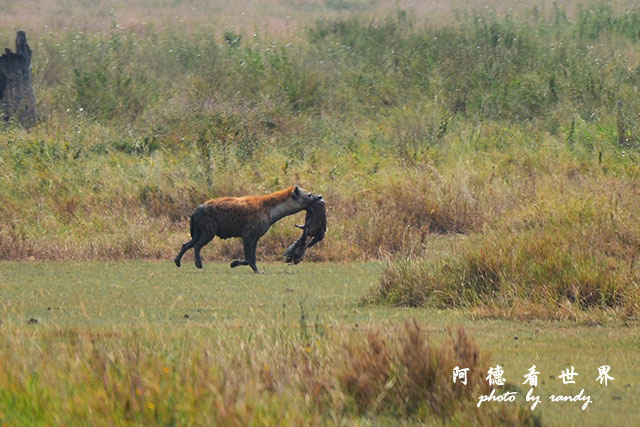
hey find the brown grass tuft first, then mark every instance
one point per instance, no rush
(341, 375)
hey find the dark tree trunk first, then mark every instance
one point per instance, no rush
(16, 94)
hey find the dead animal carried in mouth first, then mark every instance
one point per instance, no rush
(315, 226)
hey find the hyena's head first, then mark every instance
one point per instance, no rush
(303, 198)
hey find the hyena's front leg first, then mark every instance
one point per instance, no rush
(250, 255)
(250, 244)
(236, 262)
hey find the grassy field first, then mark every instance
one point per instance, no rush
(481, 167)
(126, 308)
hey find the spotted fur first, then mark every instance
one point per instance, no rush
(247, 217)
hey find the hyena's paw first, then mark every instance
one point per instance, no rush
(177, 261)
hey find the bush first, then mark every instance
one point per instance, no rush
(562, 261)
(234, 379)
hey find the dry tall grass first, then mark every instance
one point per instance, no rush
(557, 258)
(66, 375)
(408, 129)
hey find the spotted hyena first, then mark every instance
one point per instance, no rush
(246, 217)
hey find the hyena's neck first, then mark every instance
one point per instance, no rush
(279, 211)
(279, 204)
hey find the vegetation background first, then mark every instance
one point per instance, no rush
(486, 152)
(515, 125)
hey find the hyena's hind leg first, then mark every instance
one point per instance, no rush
(205, 237)
(184, 249)
(195, 235)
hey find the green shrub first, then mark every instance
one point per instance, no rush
(576, 256)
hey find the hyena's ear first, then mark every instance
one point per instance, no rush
(296, 192)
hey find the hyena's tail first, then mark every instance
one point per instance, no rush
(194, 228)
(195, 232)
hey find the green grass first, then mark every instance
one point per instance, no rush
(123, 306)
(406, 127)
(491, 155)
(132, 293)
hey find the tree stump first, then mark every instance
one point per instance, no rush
(16, 94)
